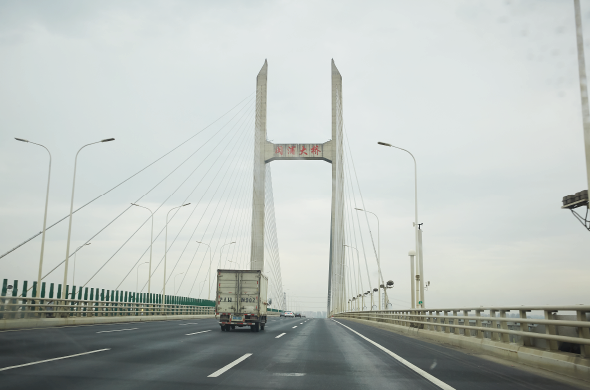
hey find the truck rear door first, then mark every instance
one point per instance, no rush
(249, 292)
(227, 290)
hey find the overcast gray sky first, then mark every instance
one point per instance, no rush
(484, 93)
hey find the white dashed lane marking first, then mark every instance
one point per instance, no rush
(205, 331)
(51, 360)
(116, 330)
(232, 364)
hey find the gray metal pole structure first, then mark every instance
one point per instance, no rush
(151, 244)
(412, 278)
(44, 217)
(65, 283)
(358, 261)
(382, 282)
(166, 252)
(177, 275)
(221, 250)
(75, 257)
(137, 279)
(419, 265)
(208, 273)
(583, 86)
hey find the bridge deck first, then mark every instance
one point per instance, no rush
(310, 354)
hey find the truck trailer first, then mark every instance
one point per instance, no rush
(241, 299)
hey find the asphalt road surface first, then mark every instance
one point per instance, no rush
(300, 353)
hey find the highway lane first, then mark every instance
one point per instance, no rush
(317, 354)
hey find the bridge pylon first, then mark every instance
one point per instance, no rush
(332, 152)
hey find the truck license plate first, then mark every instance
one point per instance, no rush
(236, 318)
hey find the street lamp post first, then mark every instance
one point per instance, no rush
(151, 243)
(44, 217)
(177, 275)
(378, 253)
(209, 272)
(166, 252)
(412, 277)
(419, 264)
(74, 273)
(221, 250)
(357, 256)
(71, 212)
(137, 280)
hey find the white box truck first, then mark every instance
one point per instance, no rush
(241, 299)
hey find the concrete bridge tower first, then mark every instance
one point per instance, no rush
(332, 152)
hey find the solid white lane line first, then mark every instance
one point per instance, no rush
(190, 323)
(301, 323)
(205, 331)
(281, 335)
(403, 361)
(289, 374)
(51, 360)
(295, 327)
(232, 364)
(116, 330)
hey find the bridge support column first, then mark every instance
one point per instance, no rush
(336, 274)
(257, 245)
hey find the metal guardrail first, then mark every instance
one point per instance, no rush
(569, 335)
(28, 308)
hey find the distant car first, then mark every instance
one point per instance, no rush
(304, 316)
(298, 315)
(289, 314)
(282, 314)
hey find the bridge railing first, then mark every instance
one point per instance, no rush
(29, 308)
(556, 331)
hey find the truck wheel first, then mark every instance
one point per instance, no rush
(262, 326)
(227, 328)
(257, 327)
(222, 328)
(251, 328)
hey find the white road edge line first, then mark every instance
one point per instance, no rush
(190, 323)
(115, 330)
(295, 327)
(281, 335)
(50, 360)
(205, 331)
(232, 364)
(403, 361)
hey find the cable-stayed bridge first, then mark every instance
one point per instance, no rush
(216, 201)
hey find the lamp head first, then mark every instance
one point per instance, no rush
(107, 140)
(21, 140)
(384, 144)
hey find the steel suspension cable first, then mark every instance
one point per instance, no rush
(124, 181)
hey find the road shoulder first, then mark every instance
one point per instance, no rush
(578, 383)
